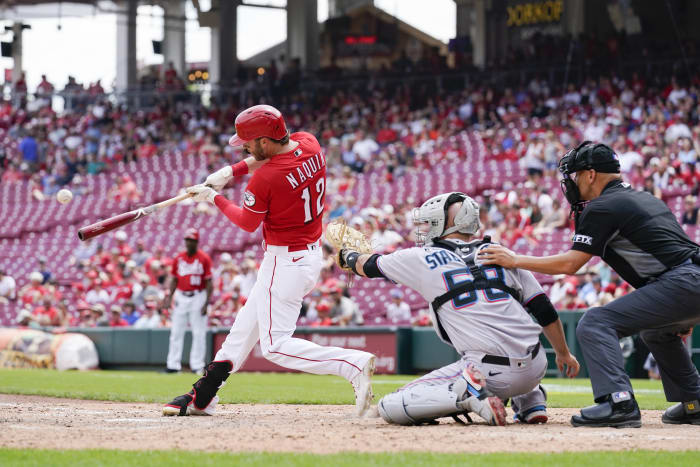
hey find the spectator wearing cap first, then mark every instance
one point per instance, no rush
(323, 315)
(8, 288)
(25, 319)
(34, 291)
(397, 310)
(44, 270)
(99, 315)
(690, 211)
(115, 317)
(124, 248)
(344, 311)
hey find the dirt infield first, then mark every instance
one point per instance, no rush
(41, 422)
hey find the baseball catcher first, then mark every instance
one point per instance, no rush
(482, 311)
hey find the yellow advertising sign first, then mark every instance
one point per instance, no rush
(533, 13)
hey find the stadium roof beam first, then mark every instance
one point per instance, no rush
(303, 33)
(471, 21)
(174, 34)
(223, 64)
(126, 45)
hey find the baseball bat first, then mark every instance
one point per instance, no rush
(114, 222)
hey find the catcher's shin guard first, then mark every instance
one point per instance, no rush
(423, 403)
(199, 400)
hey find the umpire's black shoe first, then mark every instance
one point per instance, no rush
(618, 410)
(683, 413)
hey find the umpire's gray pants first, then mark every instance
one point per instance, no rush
(519, 381)
(658, 311)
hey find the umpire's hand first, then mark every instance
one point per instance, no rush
(568, 361)
(497, 254)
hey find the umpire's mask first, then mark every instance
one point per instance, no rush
(585, 156)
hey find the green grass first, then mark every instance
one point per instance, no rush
(264, 388)
(11, 457)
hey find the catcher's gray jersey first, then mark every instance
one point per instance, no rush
(477, 322)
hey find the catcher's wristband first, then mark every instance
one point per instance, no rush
(351, 260)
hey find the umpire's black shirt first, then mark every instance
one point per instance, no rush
(634, 232)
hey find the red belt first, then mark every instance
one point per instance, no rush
(297, 248)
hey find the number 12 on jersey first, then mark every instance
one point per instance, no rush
(306, 196)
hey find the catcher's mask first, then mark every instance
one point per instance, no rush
(431, 218)
(585, 156)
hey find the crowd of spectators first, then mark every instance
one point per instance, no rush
(652, 122)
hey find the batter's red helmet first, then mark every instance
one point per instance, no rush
(257, 122)
(192, 234)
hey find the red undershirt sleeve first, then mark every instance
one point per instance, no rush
(243, 218)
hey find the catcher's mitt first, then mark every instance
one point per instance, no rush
(342, 237)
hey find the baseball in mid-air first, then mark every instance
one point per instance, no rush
(64, 196)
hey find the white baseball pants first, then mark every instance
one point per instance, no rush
(271, 313)
(188, 309)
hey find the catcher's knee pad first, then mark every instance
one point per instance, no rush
(421, 403)
(214, 378)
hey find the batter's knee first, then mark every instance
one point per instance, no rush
(271, 351)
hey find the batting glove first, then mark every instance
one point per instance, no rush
(202, 193)
(220, 178)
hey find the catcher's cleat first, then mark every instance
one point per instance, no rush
(532, 416)
(362, 385)
(184, 405)
(480, 400)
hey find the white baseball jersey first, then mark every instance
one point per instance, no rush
(477, 322)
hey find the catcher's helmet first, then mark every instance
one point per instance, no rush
(433, 214)
(257, 122)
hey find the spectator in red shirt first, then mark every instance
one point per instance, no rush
(47, 314)
(116, 320)
(34, 291)
(125, 249)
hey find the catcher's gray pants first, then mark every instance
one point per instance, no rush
(519, 381)
(658, 311)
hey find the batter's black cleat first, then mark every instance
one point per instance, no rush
(185, 405)
(683, 413)
(202, 399)
(616, 410)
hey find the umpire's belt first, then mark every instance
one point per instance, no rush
(505, 361)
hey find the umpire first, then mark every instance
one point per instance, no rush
(640, 238)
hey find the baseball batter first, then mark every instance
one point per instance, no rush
(190, 291)
(285, 194)
(483, 312)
